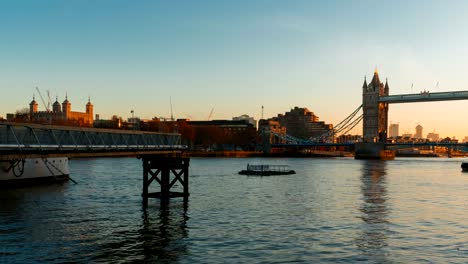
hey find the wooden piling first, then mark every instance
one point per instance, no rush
(160, 169)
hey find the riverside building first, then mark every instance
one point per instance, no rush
(302, 123)
(393, 130)
(419, 132)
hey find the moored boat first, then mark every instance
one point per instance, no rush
(19, 172)
(464, 166)
(267, 170)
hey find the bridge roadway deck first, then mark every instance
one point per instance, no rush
(33, 140)
(424, 97)
(306, 145)
(408, 145)
(430, 144)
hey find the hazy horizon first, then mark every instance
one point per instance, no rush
(235, 56)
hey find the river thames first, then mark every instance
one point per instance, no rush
(339, 210)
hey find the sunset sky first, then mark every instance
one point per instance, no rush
(235, 56)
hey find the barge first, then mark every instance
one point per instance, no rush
(267, 170)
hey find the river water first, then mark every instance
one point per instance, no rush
(336, 210)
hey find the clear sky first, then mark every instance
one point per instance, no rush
(235, 56)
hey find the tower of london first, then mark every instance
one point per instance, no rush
(61, 114)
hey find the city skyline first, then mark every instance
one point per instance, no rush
(234, 57)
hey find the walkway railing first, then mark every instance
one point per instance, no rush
(424, 97)
(46, 138)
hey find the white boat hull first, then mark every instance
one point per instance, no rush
(34, 169)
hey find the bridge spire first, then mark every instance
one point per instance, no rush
(386, 87)
(364, 86)
(376, 80)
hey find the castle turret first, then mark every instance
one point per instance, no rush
(66, 108)
(89, 111)
(32, 107)
(56, 106)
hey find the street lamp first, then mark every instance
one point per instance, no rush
(133, 120)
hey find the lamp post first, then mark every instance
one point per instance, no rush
(133, 120)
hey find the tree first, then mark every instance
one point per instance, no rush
(22, 111)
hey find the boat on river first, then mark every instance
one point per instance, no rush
(267, 170)
(37, 170)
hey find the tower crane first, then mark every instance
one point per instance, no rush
(48, 99)
(211, 113)
(47, 106)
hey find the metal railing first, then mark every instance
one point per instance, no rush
(425, 97)
(33, 137)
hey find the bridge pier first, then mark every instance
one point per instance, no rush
(159, 169)
(371, 150)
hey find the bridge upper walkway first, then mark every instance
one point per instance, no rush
(424, 97)
(30, 140)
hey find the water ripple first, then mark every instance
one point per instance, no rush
(332, 211)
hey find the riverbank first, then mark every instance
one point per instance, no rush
(247, 154)
(311, 154)
(228, 154)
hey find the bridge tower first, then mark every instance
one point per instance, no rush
(375, 119)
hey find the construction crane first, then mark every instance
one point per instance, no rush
(48, 99)
(47, 106)
(170, 103)
(211, 113)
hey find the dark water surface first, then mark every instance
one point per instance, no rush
(331, 211)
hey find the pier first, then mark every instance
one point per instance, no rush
(159, 169)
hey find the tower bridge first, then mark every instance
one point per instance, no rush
(375, 106)
(375, 101)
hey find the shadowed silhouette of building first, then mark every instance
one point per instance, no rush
(302, 123)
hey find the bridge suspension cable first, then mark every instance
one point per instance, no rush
(345, 125)
(351, 125)
(342, 127)
(348, 118)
